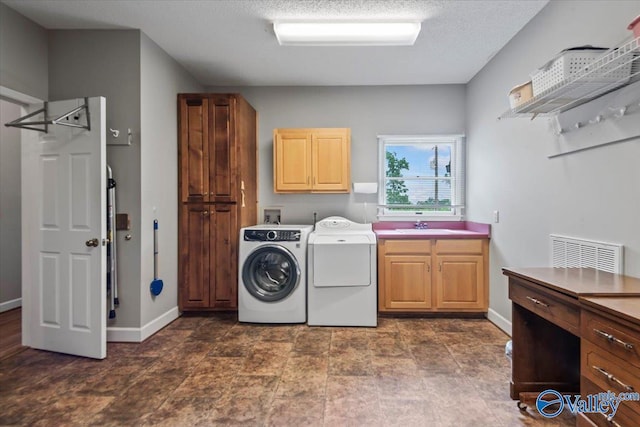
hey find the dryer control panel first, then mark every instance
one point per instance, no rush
(272, 235)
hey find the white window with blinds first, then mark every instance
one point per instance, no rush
(421, 177)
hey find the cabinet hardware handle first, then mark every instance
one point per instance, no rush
(611, 338)
(308, 180)
(610, 377)
(428, 268)
(609, 420)
(537, 301)
(439, 266)
(205, 213)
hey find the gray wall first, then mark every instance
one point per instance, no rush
(140, 82)
(10, 236)
(161, 80)
(369, 111)
(592, 194)
(107, 63)
(23, 49)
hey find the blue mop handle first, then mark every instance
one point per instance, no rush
(155, 249)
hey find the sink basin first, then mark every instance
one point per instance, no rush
(428, 231)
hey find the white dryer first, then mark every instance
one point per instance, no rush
(342, 277)
(272, 273)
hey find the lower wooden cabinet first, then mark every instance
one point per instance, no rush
(460, 282)
(433, 275)
(411, 278)
(208, 268)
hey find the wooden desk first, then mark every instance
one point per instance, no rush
(546, 323)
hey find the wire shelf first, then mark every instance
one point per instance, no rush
(593, 81)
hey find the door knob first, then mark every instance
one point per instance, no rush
(92, 243)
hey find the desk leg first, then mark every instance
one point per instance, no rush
(545, 356)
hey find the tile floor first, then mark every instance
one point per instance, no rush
(212, 370)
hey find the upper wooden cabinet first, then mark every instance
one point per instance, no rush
(312, 160)
(217, 148)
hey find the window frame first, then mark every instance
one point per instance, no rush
(457, 191)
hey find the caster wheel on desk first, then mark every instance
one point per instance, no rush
(521, 406)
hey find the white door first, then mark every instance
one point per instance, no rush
(64, 233)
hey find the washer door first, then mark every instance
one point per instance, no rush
(271, 273)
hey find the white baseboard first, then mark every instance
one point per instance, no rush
(116, 334)
(10, 305)
(499, 320)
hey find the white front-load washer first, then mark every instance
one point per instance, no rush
(272, 273)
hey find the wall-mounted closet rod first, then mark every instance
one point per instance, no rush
(20, 122)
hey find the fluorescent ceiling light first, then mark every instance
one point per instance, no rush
(346, 33)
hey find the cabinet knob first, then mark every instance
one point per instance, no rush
(205, 213)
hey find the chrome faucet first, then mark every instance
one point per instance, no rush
(419, 225)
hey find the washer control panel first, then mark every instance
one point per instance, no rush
(272, 235)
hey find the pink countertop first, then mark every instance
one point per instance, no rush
(434, 230)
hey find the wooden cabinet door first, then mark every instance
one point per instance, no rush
(460, 282)
(194, 256)
(194, 149)
(331, 161)
(223, 262)
(222, 150)
(292, 161)
(407, 282)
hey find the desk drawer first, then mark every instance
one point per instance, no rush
(624, 417)
(609, 372)
(553, 306)
(611, 336)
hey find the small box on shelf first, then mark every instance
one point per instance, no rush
(520, 94)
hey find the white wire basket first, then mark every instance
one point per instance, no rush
(573, 62)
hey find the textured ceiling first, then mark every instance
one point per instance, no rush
(225, 42)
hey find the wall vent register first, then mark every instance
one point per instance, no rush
(580, 253)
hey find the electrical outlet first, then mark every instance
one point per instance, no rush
(496, 216)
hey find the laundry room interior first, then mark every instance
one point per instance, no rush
(203, 222)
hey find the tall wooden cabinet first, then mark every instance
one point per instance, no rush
(217, 195)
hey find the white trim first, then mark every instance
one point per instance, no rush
(116, 334)
(451, 137)
(423, 218)
(499, 320)
(10, 305)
